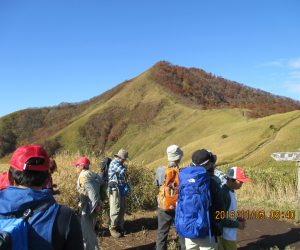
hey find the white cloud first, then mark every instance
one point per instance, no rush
(294, 88)
(287, 72)
(294, 75)
(294, 63)
(278, 63)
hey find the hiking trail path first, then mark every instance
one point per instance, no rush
(258, 234)
(267, 140)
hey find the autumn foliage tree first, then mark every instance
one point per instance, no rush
(208, 91)
(7, 139)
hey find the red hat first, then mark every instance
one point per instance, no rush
(238, 174)
(82, 160)
(30, 157)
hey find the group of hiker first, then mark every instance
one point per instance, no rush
(201, 201)
(31, 219)
(89, 189)
(190, 197)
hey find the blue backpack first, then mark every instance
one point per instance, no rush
(192, 211)
(17, 229)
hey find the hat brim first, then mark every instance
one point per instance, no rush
(74, 163)
(245, 180)
(174, 158)
(116, 155)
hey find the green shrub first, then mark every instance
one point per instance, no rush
(224, 136)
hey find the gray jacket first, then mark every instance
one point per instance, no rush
(88, 187)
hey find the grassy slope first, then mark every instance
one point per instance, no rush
(243, 136)
(274, 183)
(69, 135)
(193, 128)
(140, 90)
(189, 127)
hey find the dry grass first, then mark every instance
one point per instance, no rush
(273, 187)
(142, 195)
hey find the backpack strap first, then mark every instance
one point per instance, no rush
(209, 229)
(28, 213)
(62, 229)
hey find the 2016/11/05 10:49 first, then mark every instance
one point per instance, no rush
(256, 215)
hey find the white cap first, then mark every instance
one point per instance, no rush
(174, 153)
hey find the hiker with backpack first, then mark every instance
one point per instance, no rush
(30, 218)
(88, 187)
(117, 190)
(167, 181)
(198, 201)
(235, 179)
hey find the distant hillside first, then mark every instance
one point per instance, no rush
(208, 91)
(38, 125)
(166, 104)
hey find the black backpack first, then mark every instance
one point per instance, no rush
(103, 165)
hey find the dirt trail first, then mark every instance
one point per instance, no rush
(264, 234)
(258, 235)
(268, 140)
(141, 233)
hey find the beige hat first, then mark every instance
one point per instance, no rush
(123, 154)
(174, 153)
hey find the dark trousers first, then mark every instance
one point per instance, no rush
(165, 220)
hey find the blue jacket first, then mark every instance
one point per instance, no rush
(15, 200)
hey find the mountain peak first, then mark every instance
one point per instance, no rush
(208, 91)
(136, 110)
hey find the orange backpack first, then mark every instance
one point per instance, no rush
(168, 192)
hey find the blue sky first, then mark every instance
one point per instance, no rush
(54, 51)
